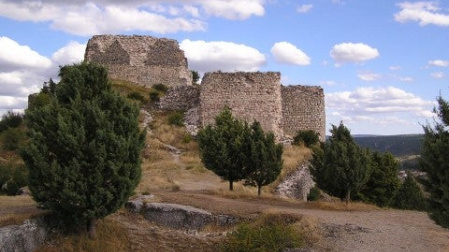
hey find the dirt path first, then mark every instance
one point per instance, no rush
(373, 230)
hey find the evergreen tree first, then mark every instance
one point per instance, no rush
(84, 154)
(263, 162)
(342, 167)
(221, 147)
(409, 195)
(435, 162)
(383, 182)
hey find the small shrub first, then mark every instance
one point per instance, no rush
(154, 96)
(176, 118)
(187, 138)
(10, 120)
(270, 235)
(161, 88)
(314, 194)
(11, 139)
(12, 177)
(136, 96)
(307, 137)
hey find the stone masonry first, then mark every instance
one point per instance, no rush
(251, 95)
(143, 60)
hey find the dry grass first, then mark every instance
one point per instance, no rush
(111, 236)
(341, 206)
(14, 210)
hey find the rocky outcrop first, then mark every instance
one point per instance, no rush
(26, 237)
(296, 185)
(178, 216)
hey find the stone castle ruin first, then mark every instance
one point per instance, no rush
(251, 95)
(143, 60)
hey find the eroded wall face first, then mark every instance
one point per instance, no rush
(303, 108)
(250, 95)
(144, 60)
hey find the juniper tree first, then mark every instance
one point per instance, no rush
(84, 154)
(383, 182)
(341, 167)
(221, 147)
(263, 159)
(409, 195)
(435, 162)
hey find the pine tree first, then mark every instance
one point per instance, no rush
(84, 154)
(435, 162)
(409, 196)
(384, 182)
(341, 167)
(221, 147)
(263, 162)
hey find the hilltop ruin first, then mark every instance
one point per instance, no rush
(251, 95)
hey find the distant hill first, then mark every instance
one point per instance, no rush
(398, 145)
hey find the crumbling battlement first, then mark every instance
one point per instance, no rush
(144, 60)
(303, 109)
(260, 96)
(250, 95)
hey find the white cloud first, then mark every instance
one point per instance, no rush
(423, 12)
(375, 110)
(219, 55)
(234, 9)
(327, 83)
(406, 79)
(395, 68)
(353, 52)
(369, 76)
(438, 75)
(23, 70)
(304, 8)
(87, 18)
(439, 63)
(14, 56)
(73, 52)
(285, 52)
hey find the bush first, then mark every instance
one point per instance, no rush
(11, 139)
(10, 120)
(176, 118)
(136, 96)
(314, 194)
(12, 178)
(154, 96)
(307, 137)
(161, 88)
(272, 235)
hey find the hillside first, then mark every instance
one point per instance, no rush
(398, 145)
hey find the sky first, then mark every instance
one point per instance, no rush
(382, 64)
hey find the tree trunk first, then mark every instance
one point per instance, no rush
(231, 185)
(91, 229)
(348, 197)
(258, 190)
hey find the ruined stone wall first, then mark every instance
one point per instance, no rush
(303, 109)
(144, 60)
(250, 95)
(181, 98)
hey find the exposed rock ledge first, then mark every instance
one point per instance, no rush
(178, 216)
(26, 237)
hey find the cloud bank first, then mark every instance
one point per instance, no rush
(425, 13)
(287, 53)
(353, 53)
(85, 18)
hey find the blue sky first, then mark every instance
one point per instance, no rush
(381, 63)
